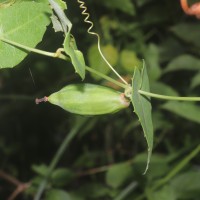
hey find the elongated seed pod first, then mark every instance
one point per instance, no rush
(89, 99)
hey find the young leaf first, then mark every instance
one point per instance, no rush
(75, 55)
(142, 106)
(70, 48)
(26, 28)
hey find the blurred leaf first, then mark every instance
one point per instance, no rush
(195, 81)
(97, 62)
(126, 6)
(56, 194)
(154, 14)
(165, 193)
(187, 185)
(142, 2)
(183, 62)
(152, 61)
(93, 190)
(161, 88)
(188, 32)
(62, 176)
(160, 122)
(118, 174)
(142, 106)
(19, 28)
(40, 169)
(129, 60)
(159, 165)
(186, 110)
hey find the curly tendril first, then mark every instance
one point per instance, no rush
(86, 20)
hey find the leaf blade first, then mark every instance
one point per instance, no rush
(142, 107)
(19, 28)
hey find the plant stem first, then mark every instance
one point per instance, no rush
(173, 172)
(106, 77)
(63, 57)
(164, 97)
(127, 191)
(58, 155)
(45, 53)
(177, 168)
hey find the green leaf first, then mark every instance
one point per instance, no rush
(41, 170)
(188, 32)
(96, 61)
(186, 110)
(142, 106)
(118, 174)
(75, 55)
(165, 193)
(24, 23)
(62, 176)
(183, 62)
(152, 60)
(195, 81)
(129, 60)
(57, 195)
(161, 88)
(187, 185)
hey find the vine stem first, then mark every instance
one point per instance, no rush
(58, 156)
(106, 77)
(165, 97)
(86, 20)
(57, 54)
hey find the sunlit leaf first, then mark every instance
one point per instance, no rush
(142, 106)
(19, 28)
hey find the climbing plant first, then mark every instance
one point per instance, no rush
(21, 31)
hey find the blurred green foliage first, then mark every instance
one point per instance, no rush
(108, 156)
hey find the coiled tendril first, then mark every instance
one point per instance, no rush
(86, 20)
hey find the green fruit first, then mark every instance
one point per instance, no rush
(129, 60)
(89, 99)
(97, 62)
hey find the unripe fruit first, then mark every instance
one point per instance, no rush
(88, 99)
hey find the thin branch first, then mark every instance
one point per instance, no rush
(20, 187)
